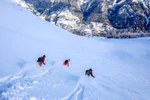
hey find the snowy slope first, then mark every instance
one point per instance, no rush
(121, 67)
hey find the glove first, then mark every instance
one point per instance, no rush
(44, 63)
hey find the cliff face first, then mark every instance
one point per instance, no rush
(130, 15)
(108, 18)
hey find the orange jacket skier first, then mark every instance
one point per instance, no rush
(41, 60)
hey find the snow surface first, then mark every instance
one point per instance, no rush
(121, 67)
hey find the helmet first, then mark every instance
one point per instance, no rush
(44, 56)
(91, 69)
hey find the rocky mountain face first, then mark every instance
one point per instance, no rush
(107, 18)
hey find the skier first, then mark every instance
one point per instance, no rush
(89, 72)
(41, 60)
(66, 62)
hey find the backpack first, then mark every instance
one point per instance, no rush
(39, 59)
(86, 72)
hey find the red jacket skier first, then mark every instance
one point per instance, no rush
(42, 61)
(89, 72)
(66, 62)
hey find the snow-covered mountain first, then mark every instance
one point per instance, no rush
(107, 18)
(121, 67)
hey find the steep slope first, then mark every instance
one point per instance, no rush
(107, 18)
(121, 67)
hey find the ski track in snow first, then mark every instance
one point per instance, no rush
(14, 84)
(76, 94)
(22, 75)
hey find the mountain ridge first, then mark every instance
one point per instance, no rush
(112, 19)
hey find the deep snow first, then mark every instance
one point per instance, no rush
(121, 67)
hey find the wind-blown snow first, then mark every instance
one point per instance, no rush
(121, 67)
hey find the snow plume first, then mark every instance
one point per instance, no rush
(121, 67)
